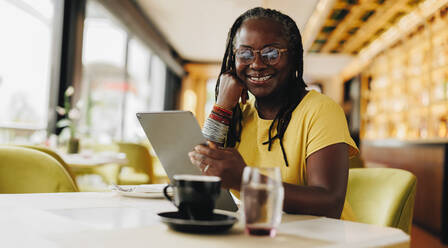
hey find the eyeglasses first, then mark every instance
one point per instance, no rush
(269, 55)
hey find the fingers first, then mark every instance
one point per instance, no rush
(199, 160)
(213, 151)
(229, 76)
(206, 165)
(205, 169)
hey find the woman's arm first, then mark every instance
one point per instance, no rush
(324, 194)
(327, 174)
(217, 124)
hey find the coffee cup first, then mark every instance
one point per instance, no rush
(194, 195)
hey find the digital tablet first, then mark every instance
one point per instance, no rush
(173, 134)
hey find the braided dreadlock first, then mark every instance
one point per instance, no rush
(296, 84)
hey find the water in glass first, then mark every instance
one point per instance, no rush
(262, 200)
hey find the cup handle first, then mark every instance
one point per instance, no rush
(165, 193)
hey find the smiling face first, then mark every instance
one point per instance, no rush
(262, 80)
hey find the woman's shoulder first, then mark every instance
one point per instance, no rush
(313, 97)
(317, 102)
(313, 101)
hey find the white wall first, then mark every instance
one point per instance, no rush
(326, 69)
(333, 87)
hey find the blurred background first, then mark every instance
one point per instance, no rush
(80, 70)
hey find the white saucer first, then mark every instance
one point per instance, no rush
(141, 191)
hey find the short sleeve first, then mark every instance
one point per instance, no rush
(327, 126)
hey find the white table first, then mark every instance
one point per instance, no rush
(108, 220)
(89, 160)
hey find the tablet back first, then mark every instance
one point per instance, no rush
(173, 134)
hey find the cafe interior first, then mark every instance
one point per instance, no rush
(74, 73)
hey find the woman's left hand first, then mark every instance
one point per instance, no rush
(225, 163)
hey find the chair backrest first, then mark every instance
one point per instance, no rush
(55, 156)
(26, 170)
(382, 196)
(138, 157)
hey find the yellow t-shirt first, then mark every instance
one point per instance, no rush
(316, 122)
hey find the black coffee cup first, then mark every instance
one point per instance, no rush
(194, 196)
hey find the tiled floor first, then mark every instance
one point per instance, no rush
(422, 239)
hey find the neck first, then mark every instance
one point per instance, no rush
(268, 107)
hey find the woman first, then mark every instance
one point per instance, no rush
(304, 133)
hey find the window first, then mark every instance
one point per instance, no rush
(120, 78)
(26, 45)
(138, 89)
(104, 61)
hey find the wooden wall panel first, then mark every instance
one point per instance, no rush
(426, 162)
(194, 88)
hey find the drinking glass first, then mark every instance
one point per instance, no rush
(262, 200)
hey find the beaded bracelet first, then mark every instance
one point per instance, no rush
(217, 124)
(219, 118)
(215, 131)
(223, 111)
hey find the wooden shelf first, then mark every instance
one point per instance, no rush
(413, 69)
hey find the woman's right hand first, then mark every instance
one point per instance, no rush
(230, 91)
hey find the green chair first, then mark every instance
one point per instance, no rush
(25, 170)
(139, 169)
(382, 196)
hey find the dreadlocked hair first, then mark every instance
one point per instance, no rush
(296, 85)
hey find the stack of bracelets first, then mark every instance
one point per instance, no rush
(217, 124)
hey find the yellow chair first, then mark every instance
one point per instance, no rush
(25, 170)
(55, 156)
(159, 173)
(108, 172)
(139, 169)
(382, 196)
